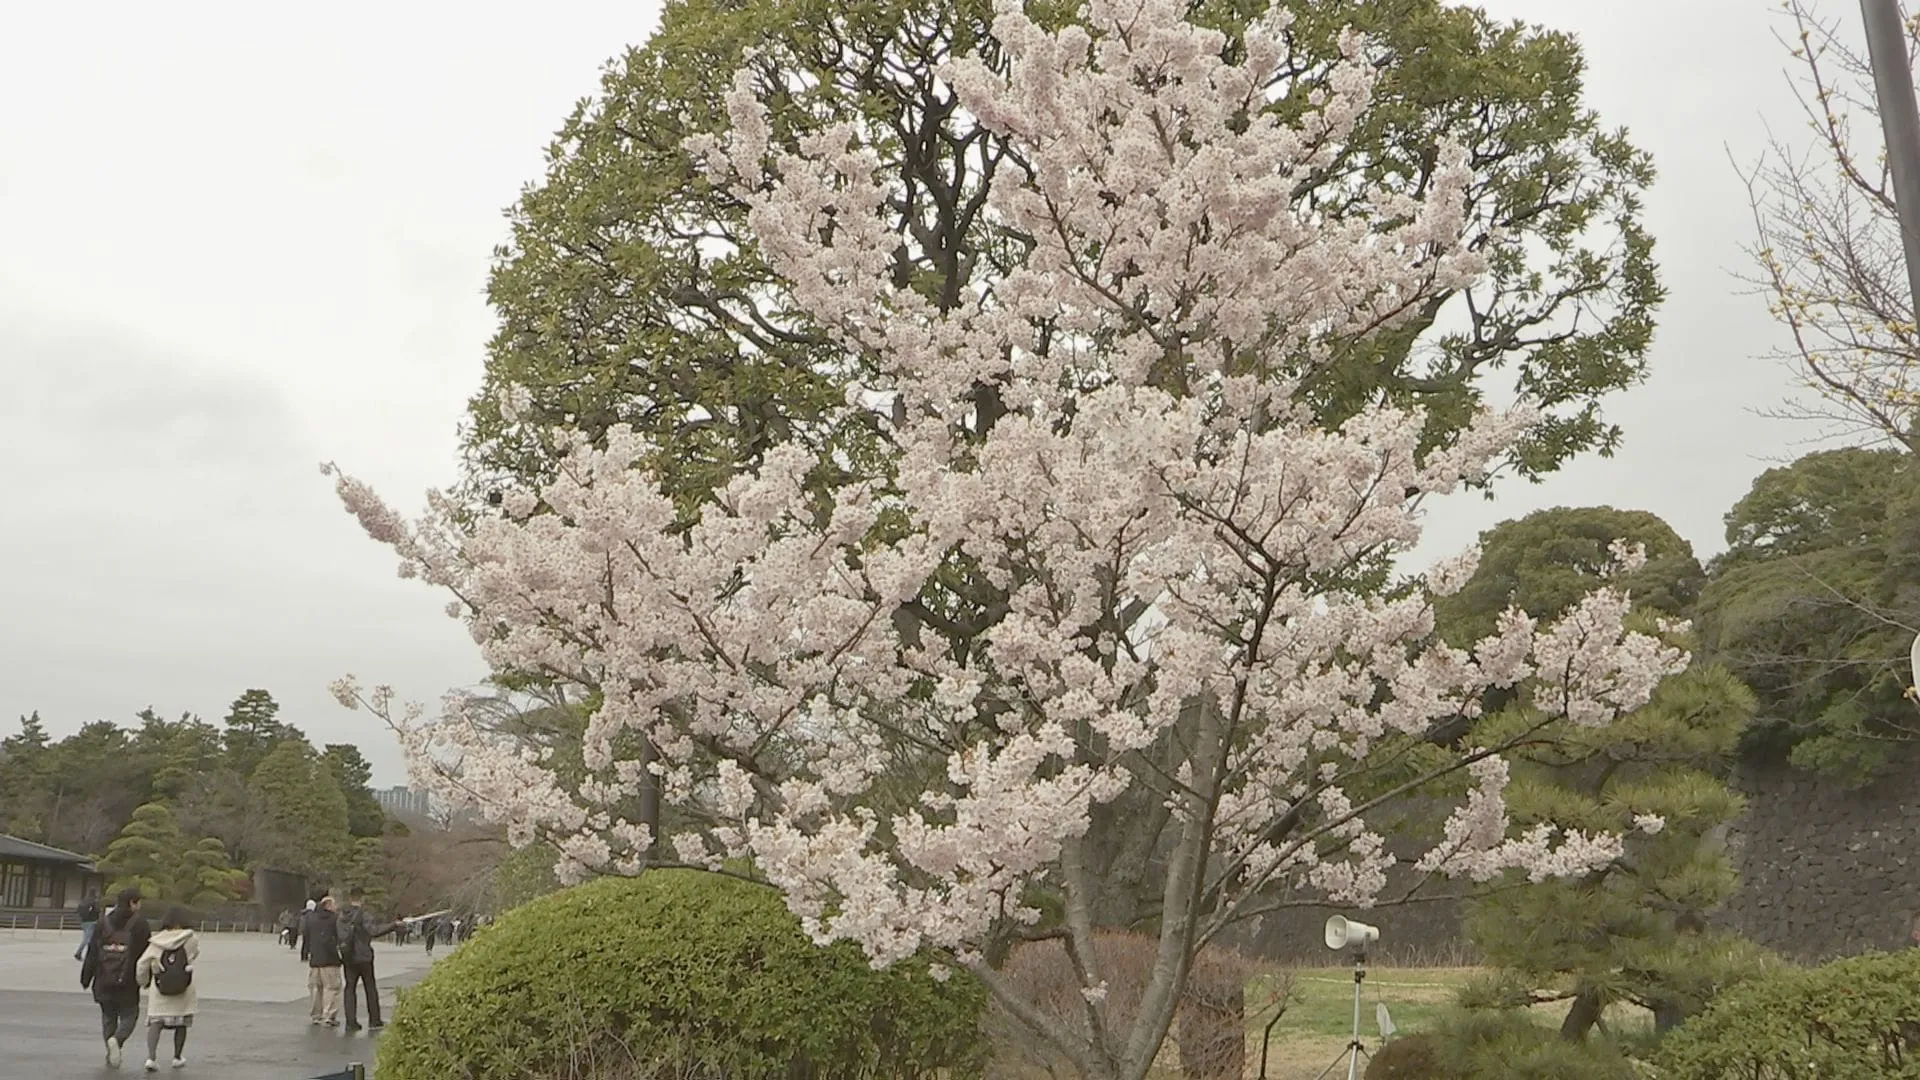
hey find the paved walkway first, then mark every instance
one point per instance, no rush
(252, 1023)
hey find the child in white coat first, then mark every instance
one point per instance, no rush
(166, 970)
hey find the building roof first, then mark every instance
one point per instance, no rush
(12, 847)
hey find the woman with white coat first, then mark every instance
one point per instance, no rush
(166, 970)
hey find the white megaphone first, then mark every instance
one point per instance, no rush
(1344, 933)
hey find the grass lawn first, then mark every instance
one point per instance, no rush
(1319, 1017)
(1318, 1022)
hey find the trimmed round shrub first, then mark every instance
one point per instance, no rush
(1858, 1017)
(676, 974)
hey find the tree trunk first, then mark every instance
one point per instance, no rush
(1581, 1018)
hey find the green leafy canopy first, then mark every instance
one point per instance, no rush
(631, 290)
(1813, 604)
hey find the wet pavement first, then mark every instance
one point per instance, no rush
(251, 1025)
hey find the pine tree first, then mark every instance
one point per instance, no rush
(23, 759)
(179, 752)
(367, 868)
(303, 810)
(206, 877)
(146, 854)
(1636, 930)
(354, 775)
(252, 730)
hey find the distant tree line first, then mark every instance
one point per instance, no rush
(185, 808)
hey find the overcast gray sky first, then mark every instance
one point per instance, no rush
(236, 240)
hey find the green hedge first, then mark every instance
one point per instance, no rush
(681, 974)
(1858, 1017)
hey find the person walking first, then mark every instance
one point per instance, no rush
(432, 929)
(358, 928)
(88, 912)
(166, 970)
(320, 948)
(300, 925)
(109, 966)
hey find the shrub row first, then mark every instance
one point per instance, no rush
(1858, 1017)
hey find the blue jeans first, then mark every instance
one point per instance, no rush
(86, 938)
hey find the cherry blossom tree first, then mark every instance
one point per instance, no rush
(1098, 466)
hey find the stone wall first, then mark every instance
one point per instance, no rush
(1823, 873)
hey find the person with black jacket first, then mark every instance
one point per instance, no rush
(358, 928)
(320, 948)
(89, 914)
(110, 968)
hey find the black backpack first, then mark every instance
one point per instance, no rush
(349, 923)
(116, 967)
(172, 976)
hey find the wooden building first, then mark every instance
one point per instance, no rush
(37, 876)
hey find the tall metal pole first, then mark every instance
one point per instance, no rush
(1900, 120)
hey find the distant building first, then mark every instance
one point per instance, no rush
(404, 802)
(37, 876)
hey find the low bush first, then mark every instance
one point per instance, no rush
(1409, 1057)
(1471, 1044)
(1858, 1017)
(675, 974)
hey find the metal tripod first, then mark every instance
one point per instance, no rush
(1354, 1051)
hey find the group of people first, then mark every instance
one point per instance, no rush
(447, 930)
(337, 946)
(431, 929)
(124, 961)
(121, 955)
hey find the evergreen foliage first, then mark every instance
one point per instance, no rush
(632, 290)
(1813, 605)
(304, 811)
(146, 855)
(676, 973)
(1635, 931)
(248, 793)
(1857, 1018)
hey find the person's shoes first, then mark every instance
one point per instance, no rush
(179, 1063)
(353, 1027)
(333, 1021)
(376, 1025)
(317, 1021)
(113, 1052)
(152, 1066)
